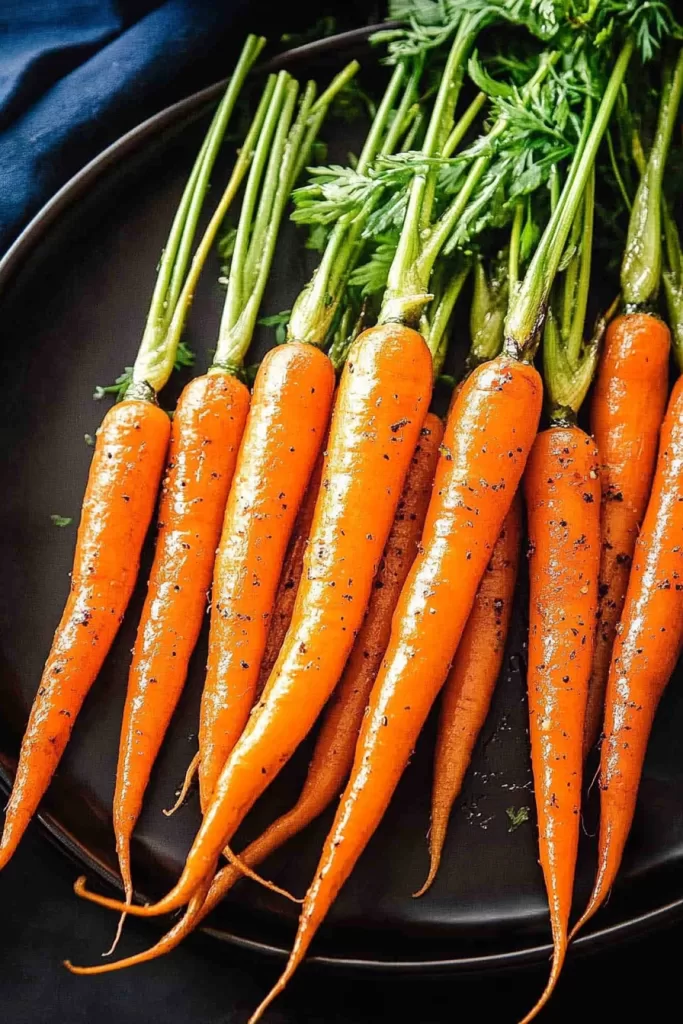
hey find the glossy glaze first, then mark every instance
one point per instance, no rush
(283, 436)
(206, 432)
(562, 491)
(471, 681)
(646, 649)
(627, 408)
(290, 577)
(488, 436)
(336, 742)
(119, 502)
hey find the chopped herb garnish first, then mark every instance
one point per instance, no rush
(517, 817)
(61, 520)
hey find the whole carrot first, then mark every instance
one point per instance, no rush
(118, 506)
(471, 681)
(628, 406)
(336, 742)
(490, 431)
(207, 430)
(650, 633)
(469, 687)
(382, 401)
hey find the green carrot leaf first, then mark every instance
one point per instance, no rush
(61, 521)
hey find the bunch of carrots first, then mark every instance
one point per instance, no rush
(361, 554)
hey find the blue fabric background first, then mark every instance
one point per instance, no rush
(76, 74)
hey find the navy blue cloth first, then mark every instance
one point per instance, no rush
(77, 74)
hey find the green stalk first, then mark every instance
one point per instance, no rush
(314, 310)
(515, 242)
(527, 310)
(569, 364)
(173, 263)
(319, 111)
(275, 119)
(673, 281)
(642, 264)
(463, 125)
(154, 363)
(487, 313)
(437, 334)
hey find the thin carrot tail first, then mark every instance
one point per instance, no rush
(185, 788)
(437, 838)
(559, 954)
(601, 887)
(196, 911)
(123, 853)
(242, 866)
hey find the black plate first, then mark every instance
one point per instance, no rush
(74, 293)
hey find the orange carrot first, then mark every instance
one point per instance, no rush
(117, 509)
(562, 496)
(488, 436)
(471, 681)
(336, 742)
(290, 577)
(119, 501)
(646, 649)
(381, 405)
(626, 413)
(295, 384)
(207, 428)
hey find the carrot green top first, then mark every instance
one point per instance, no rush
(157, 353)
(642, 264)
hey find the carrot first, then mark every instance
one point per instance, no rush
(629, 403)
(292, 568)
(489, 434)
(471, 681)
(469, 687)
(119, 501)
(648, 639)
(336, 742)
(380, 409)
(207, 430)
(295, 384)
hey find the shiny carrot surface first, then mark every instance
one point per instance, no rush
(628, 405)
(117, 509)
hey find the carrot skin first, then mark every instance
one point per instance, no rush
(119, 502)
(562, 492)
(336, 742)
(629, 400)
(646, 649)
(382, 402)
(471, 682)
(290, 577)
(284, 433)
(489, 433)
(205, 436)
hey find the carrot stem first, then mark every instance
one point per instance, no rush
(641, 268)
(151, 369)
(528, 307)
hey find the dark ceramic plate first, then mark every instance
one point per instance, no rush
(74, 293)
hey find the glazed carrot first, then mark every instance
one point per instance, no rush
(295, 384)
(562, 496)
(629, 403)
(471, 681)
(118, 506)
(207, 430)
(117, 509)
(292, 567)
(336, 742)
(648, 640)
(478, 658)
(489, 434)
(381, 406)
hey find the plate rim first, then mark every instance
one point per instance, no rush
(60, 837)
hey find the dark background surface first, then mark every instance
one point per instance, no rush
(73, 77)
